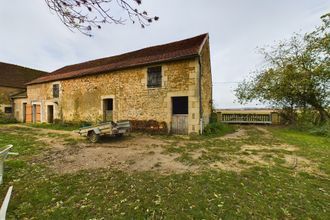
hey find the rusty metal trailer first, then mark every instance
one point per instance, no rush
(93, 133)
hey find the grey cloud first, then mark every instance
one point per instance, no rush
(32, 36)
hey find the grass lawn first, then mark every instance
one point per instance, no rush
(269, 189)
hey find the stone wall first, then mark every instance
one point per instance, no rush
(81, 99)
(3, 107)
(42, 94)
(18, 108)
(206, 82)
(6, 92)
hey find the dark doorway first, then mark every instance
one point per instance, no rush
(180, 105)
(24, 112)
(180, 115)
(50, 114)
(107, 109)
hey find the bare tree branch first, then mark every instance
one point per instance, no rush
(86, 15)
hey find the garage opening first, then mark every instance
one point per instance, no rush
(180, 115)
(107, 110)
(50, 114)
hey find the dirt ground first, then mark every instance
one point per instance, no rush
(138, 152)
(133, 153)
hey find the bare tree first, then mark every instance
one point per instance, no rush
(86, 15)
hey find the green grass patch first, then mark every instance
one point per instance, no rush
(313, 147)
(24, 144)
(273, 192)
(256, 193)
(58, 126)
(7, 118)
(218, 129)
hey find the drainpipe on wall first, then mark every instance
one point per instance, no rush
(200, 96)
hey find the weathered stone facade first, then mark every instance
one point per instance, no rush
(81, 99)
(6, 92)
(18, 108)
(206, 80)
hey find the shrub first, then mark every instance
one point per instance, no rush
(308, 121)
(7, 119)
(323, 130)
(217, 128)
(214, 117)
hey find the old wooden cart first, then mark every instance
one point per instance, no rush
(93, 133)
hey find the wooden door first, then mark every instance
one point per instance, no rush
(108, 115)
(50, 114)
(179, 115)
(28, 113)
(180, 124)
(37, 113)
(107, 110)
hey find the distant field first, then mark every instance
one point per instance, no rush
(253, 173)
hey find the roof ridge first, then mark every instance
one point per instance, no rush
(180, 49)
(24, 67)
(133, 51)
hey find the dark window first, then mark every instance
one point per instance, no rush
(109, 104)
(180, 105)
(8, 110)
(56, 90)
(155, 77)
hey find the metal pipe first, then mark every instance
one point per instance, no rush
(200, 95)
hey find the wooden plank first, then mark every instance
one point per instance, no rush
(174, 124)
(108, 115)
(180, 124)
(28, 113)
(38, 115)
(38, 109)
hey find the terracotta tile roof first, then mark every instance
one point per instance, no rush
(172, 51)
(17, 76)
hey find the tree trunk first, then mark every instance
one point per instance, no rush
(324, 115)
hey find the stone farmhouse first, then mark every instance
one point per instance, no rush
(13, 81)
(169, 83)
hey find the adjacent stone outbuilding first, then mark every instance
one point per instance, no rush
(169, 83)
(12, 82)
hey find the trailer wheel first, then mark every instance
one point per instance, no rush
(93, 137)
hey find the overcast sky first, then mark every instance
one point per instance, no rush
(32, 36)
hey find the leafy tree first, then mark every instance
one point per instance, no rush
(296, 74)
(86, 15)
